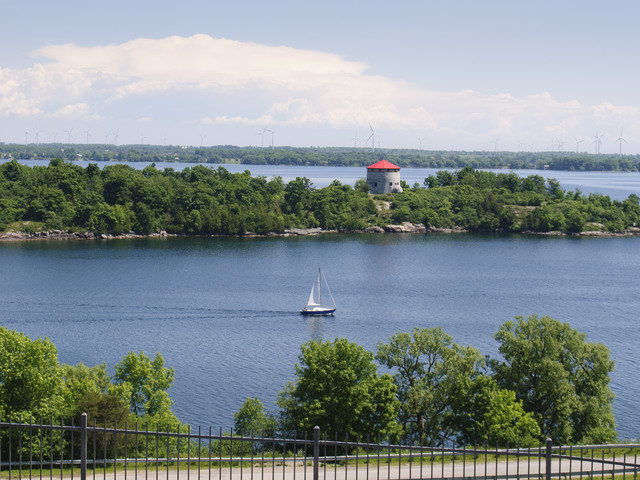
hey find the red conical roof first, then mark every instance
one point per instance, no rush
(384, 164)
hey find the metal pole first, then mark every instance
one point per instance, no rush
(548, 460)
(316, 453)
(83, 446)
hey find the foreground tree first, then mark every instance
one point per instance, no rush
(339, 390)
(493, 416)
(433, 374)
(251, 419)
(562, 379)
(30, 376)
(143, 384)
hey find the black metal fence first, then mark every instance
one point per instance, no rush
(29, 450)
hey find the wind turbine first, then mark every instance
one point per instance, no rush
(578, 142)
(87, 132)
(620, 140)
(561, 144)
(372, 137)
(495, 144)
(598, 142)
(272, 134)
(26, 138)
(115, 137)
(355, 140)
(202, 140)
(69, 132)
(37, 136)
(420, 140)
(262, 136)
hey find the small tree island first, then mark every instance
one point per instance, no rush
(119, 199)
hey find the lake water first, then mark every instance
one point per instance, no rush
(224, 311)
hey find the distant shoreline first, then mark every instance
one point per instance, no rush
(406, 228)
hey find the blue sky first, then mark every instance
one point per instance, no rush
(446, 75)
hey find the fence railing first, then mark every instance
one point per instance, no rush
(29, 450)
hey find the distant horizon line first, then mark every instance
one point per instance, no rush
(287, 147)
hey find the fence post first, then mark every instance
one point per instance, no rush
(316, 453)
(548, 460)
(83, 446)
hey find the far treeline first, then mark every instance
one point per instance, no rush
(323, 156)
(549, 383)
(198, 200)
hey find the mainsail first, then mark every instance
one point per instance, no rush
(315, 297)
(314, 304)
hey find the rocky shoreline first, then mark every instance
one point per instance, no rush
(408, 228)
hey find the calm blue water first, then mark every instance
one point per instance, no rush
(224, 311)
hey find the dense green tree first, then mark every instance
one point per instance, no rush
(491, 415)
(30, 376)
(80, 380)
(433, 375)
(143, 383)
(338, 388)
(562, 379)
(201, 200)
(251, 419)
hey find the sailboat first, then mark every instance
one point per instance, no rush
(314, 304)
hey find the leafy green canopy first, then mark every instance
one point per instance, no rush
(34, 384)
(200, 200)
(30, 376)
(562, 379)
(444, 393)
(338, 389)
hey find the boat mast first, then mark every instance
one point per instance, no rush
(328, 289)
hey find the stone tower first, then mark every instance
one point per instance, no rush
(384, 177)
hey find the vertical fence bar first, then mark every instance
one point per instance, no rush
(357, 457)
(31, 446)
(506, 472)
(316, 453)
(548, 460)
(135, 459)
(95, 442)
(210, 447)
(346, 456)
(189, 439)
(20, 448)
(571, 460)
(10, 449)
(262, 448)
(220, 456)
(199, 447)
(177, 453)
(368, 455)
(104, 450)
(83, 446)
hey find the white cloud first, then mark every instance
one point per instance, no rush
(77, 110)
(247, 84)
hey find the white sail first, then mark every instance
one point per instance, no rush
(315, 297)
(314, 304)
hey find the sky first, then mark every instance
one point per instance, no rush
(513, 75)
